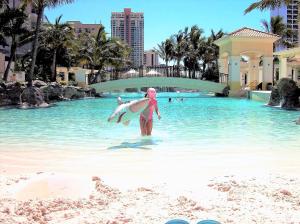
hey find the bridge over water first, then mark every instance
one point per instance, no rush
(139, 82)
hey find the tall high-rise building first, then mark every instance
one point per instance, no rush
(129, 27)
(289, 13)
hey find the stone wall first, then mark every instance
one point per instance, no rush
(15, 93)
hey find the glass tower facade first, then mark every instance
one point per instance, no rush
(129, 27)
(289, 13)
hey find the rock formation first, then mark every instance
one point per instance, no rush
(285, 94)
(40, 94)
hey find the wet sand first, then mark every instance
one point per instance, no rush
(132, 186)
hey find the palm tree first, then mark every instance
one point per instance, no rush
(213, 37)
(180, 46)
(194, 50)
(278, 27)
(207, 54)
(97, 52)
(267, 4)
(54, 37)
(165, 50)
(12, 26)
(161, 51)
(40, 6)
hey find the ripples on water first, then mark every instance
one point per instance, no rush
(199, 122)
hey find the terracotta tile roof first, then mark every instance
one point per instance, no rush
(248, 32)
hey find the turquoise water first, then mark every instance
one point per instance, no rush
(199, 122)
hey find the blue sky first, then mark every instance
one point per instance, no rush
(166, 17)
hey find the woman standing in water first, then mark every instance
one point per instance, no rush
(146, 117)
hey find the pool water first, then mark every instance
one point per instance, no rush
(200, 122)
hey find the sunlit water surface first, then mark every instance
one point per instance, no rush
(200, 122)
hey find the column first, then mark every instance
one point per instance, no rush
(234, 73)
(223, 68)
(267, 71)
(223, 65)
(253, 70)
(283, 68)
(66, 75)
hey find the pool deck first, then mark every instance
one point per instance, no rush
(262, 96)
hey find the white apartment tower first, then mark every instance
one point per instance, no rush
(289, 13)
(129, 27)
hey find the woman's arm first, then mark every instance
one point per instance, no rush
(157, 112)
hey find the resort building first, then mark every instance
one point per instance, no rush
(289, 64)
(246, 55)
(151, 58)
(81, 28)
(129, 27)
(73, 74)
(289, 13)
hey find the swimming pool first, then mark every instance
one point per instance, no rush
(200, 122)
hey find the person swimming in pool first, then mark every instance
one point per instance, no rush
(146, 117)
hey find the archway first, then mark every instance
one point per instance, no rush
(256, 46)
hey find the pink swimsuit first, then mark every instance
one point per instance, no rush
(147, 114)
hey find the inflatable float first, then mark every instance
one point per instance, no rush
(127, 110)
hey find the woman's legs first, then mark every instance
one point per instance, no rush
(143, 126)
(146, 126)
(149, 126)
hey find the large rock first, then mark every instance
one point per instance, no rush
(289, 93)
(275, 97)
(3, 95)
(53, 92)
(38, 83)
(225, 92)
(72, 92)
(33, 97)
(90, 92)
(10, 93)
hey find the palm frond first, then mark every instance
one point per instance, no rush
(266, 4)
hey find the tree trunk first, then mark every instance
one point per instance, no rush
(35, 44)
(167, 66)
(204, 68)
(53, 66)
(13, 49)
(194, 71)
(178, 70)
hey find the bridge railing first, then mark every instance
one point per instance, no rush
(153, 71)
